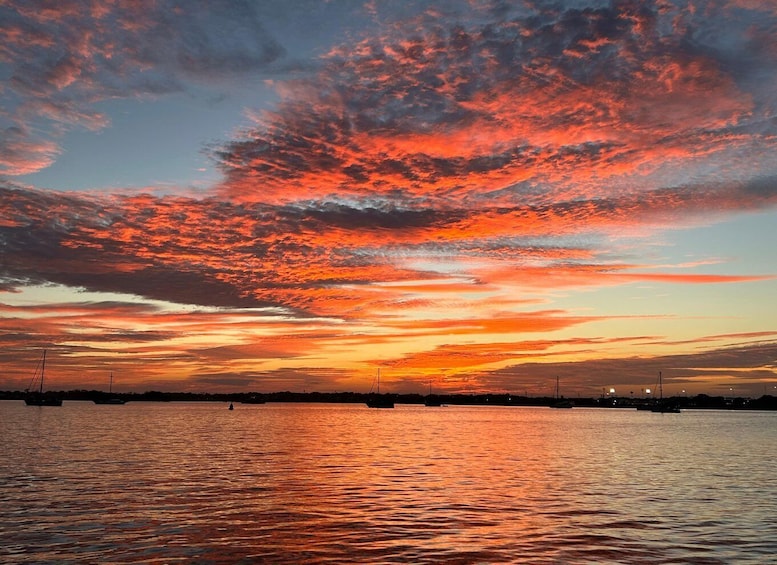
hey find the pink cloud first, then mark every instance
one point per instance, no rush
(20, 154)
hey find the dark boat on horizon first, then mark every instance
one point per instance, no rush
(561, 402)
(109, 399)
(253, 399)
(432, 400)
(39, 398)
(378, 400)
(662, 406)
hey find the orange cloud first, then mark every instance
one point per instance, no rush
(408, 186)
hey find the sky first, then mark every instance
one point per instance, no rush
(473, 196)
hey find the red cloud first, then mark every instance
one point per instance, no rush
(438, 117)
(492, 156)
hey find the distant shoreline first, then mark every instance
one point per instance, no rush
(701, 401)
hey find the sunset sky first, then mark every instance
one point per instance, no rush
(290, 194)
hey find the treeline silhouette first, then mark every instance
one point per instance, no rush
(700, 401)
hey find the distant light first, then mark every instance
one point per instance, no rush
(612, 391)
(647, 390)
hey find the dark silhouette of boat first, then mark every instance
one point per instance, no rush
(231, 407)
(561, 402)
(253, 399)
(378, 400)
(109, 399)
(665, 408)
(662, 406)
(432, 400)
(38, 397)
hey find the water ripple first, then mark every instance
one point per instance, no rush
(193, 483)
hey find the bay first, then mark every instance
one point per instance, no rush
(339, 483)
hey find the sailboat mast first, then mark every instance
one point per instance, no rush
(660, 386)
(42, 370)
(378, 380)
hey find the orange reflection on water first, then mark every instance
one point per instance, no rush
(302, 483)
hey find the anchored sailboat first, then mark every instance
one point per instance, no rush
(37, 397)
(109, 399)
(663, 407)
(432, 400)
(378, 400)
(560, 402)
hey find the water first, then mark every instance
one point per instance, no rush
(314, 483)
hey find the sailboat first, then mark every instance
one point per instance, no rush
(109, 399)
(432, 400)
(663, 407)
(560, 402)
(378, 400)
(36, 397)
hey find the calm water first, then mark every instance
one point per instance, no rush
(289, 483)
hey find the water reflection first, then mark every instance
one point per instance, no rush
(339, 483)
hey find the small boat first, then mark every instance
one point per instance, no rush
(378, 400)
(109, 399)
(661, 406)
(231, 407)
(253, 399)
(665, 409)
(560, 402)
(432, 400)
(38, 398)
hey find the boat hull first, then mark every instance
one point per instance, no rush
(380, 402)
(665, 410)
(43, 401)
(562, 404)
